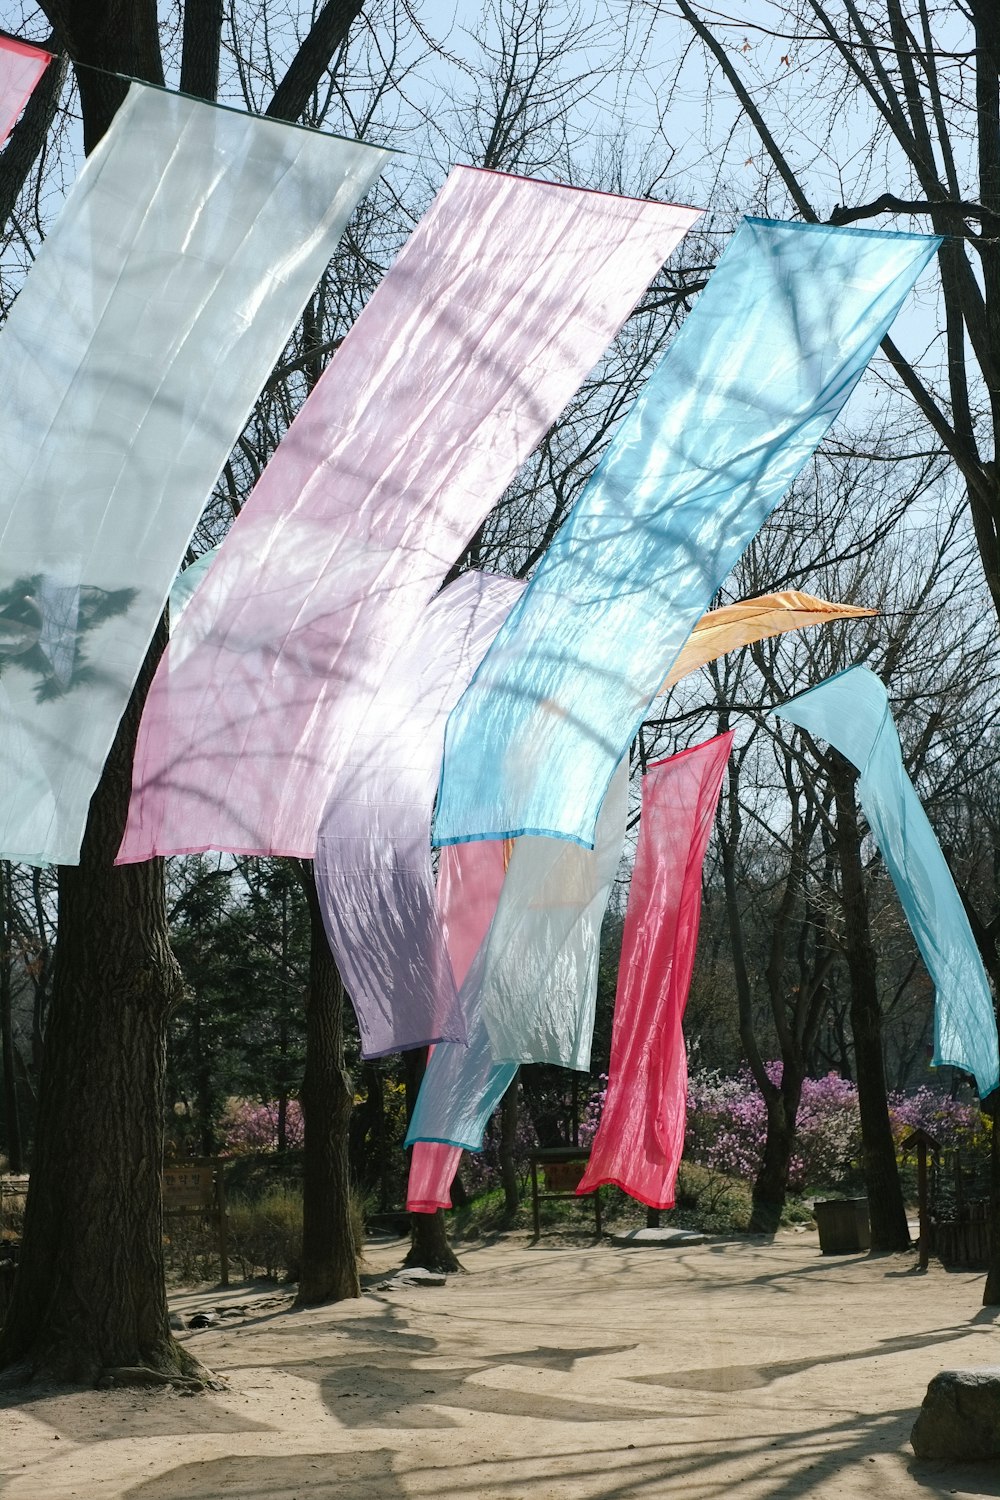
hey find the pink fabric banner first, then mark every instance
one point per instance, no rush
(373, 853)
(21, 66)
(503, 299)
(470, 878)
(640, 1138)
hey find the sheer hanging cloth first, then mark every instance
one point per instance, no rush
(539, 984)
(373, 854)
(499, 304)
(129, 364)
(544, 936)
(470, 877)
(851, 712)
(759, 370)
(640, 1137)
(21, 68)
(749, 620)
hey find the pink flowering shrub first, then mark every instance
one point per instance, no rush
(251, 1125)
(951, 1123)
(727, 1127)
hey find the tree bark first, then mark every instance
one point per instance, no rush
(12, 1118)
(991, 1291)
(201, 47)
(328, 32)
(89, 1293)
(104, 38)
(329, 1252)
(886, 1209)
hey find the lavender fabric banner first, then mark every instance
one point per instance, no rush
(758, 372)
(373, 854)
(129, 364)
(851, 711)
(531, 943)
(502, 300)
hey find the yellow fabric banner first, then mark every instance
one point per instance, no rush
(750, 620)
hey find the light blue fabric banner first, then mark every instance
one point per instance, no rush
(183, 587)
(759, 371)
(851, 712)
(462, 1086)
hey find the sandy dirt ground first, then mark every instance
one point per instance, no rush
(547, 1372)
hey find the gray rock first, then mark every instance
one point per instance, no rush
(659, 1239)
(960, 1417)
(412, 1276)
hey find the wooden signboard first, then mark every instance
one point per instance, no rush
(198, 1187)
(188, 1187)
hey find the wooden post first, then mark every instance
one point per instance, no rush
(223, 1212)
(923, 1144)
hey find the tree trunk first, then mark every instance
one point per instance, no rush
(15, 1154)
(771, 1183)
(89, 1293)
(329, 1251)
(886, 1209)
(508, 1136)
(104, 38)
(991, 1291)
(429, 1245)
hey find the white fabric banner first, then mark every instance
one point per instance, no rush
(539, 984)
(129, 364)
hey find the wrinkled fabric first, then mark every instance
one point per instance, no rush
(774, 346)
(539, 987)
(851, 711)
(373, 853)
(432, 1172)
(541, 951)
(470, 877)
(501, 301)
(749, 620)
(640, 1137)
(129, 364)
(21, 68)
(183, 587)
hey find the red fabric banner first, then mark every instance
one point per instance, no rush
(21, 66)
(640, 1138)
(469, 880)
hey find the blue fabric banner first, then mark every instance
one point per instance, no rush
(851, 712)
(753, 380)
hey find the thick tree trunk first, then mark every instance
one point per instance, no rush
(329, 1253)
(104, 38)
(89, 1293)
(991, 1291)
(886, 1209)
(15, 1152)
(429, 1245)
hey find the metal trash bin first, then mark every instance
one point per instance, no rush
(843, 1226)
